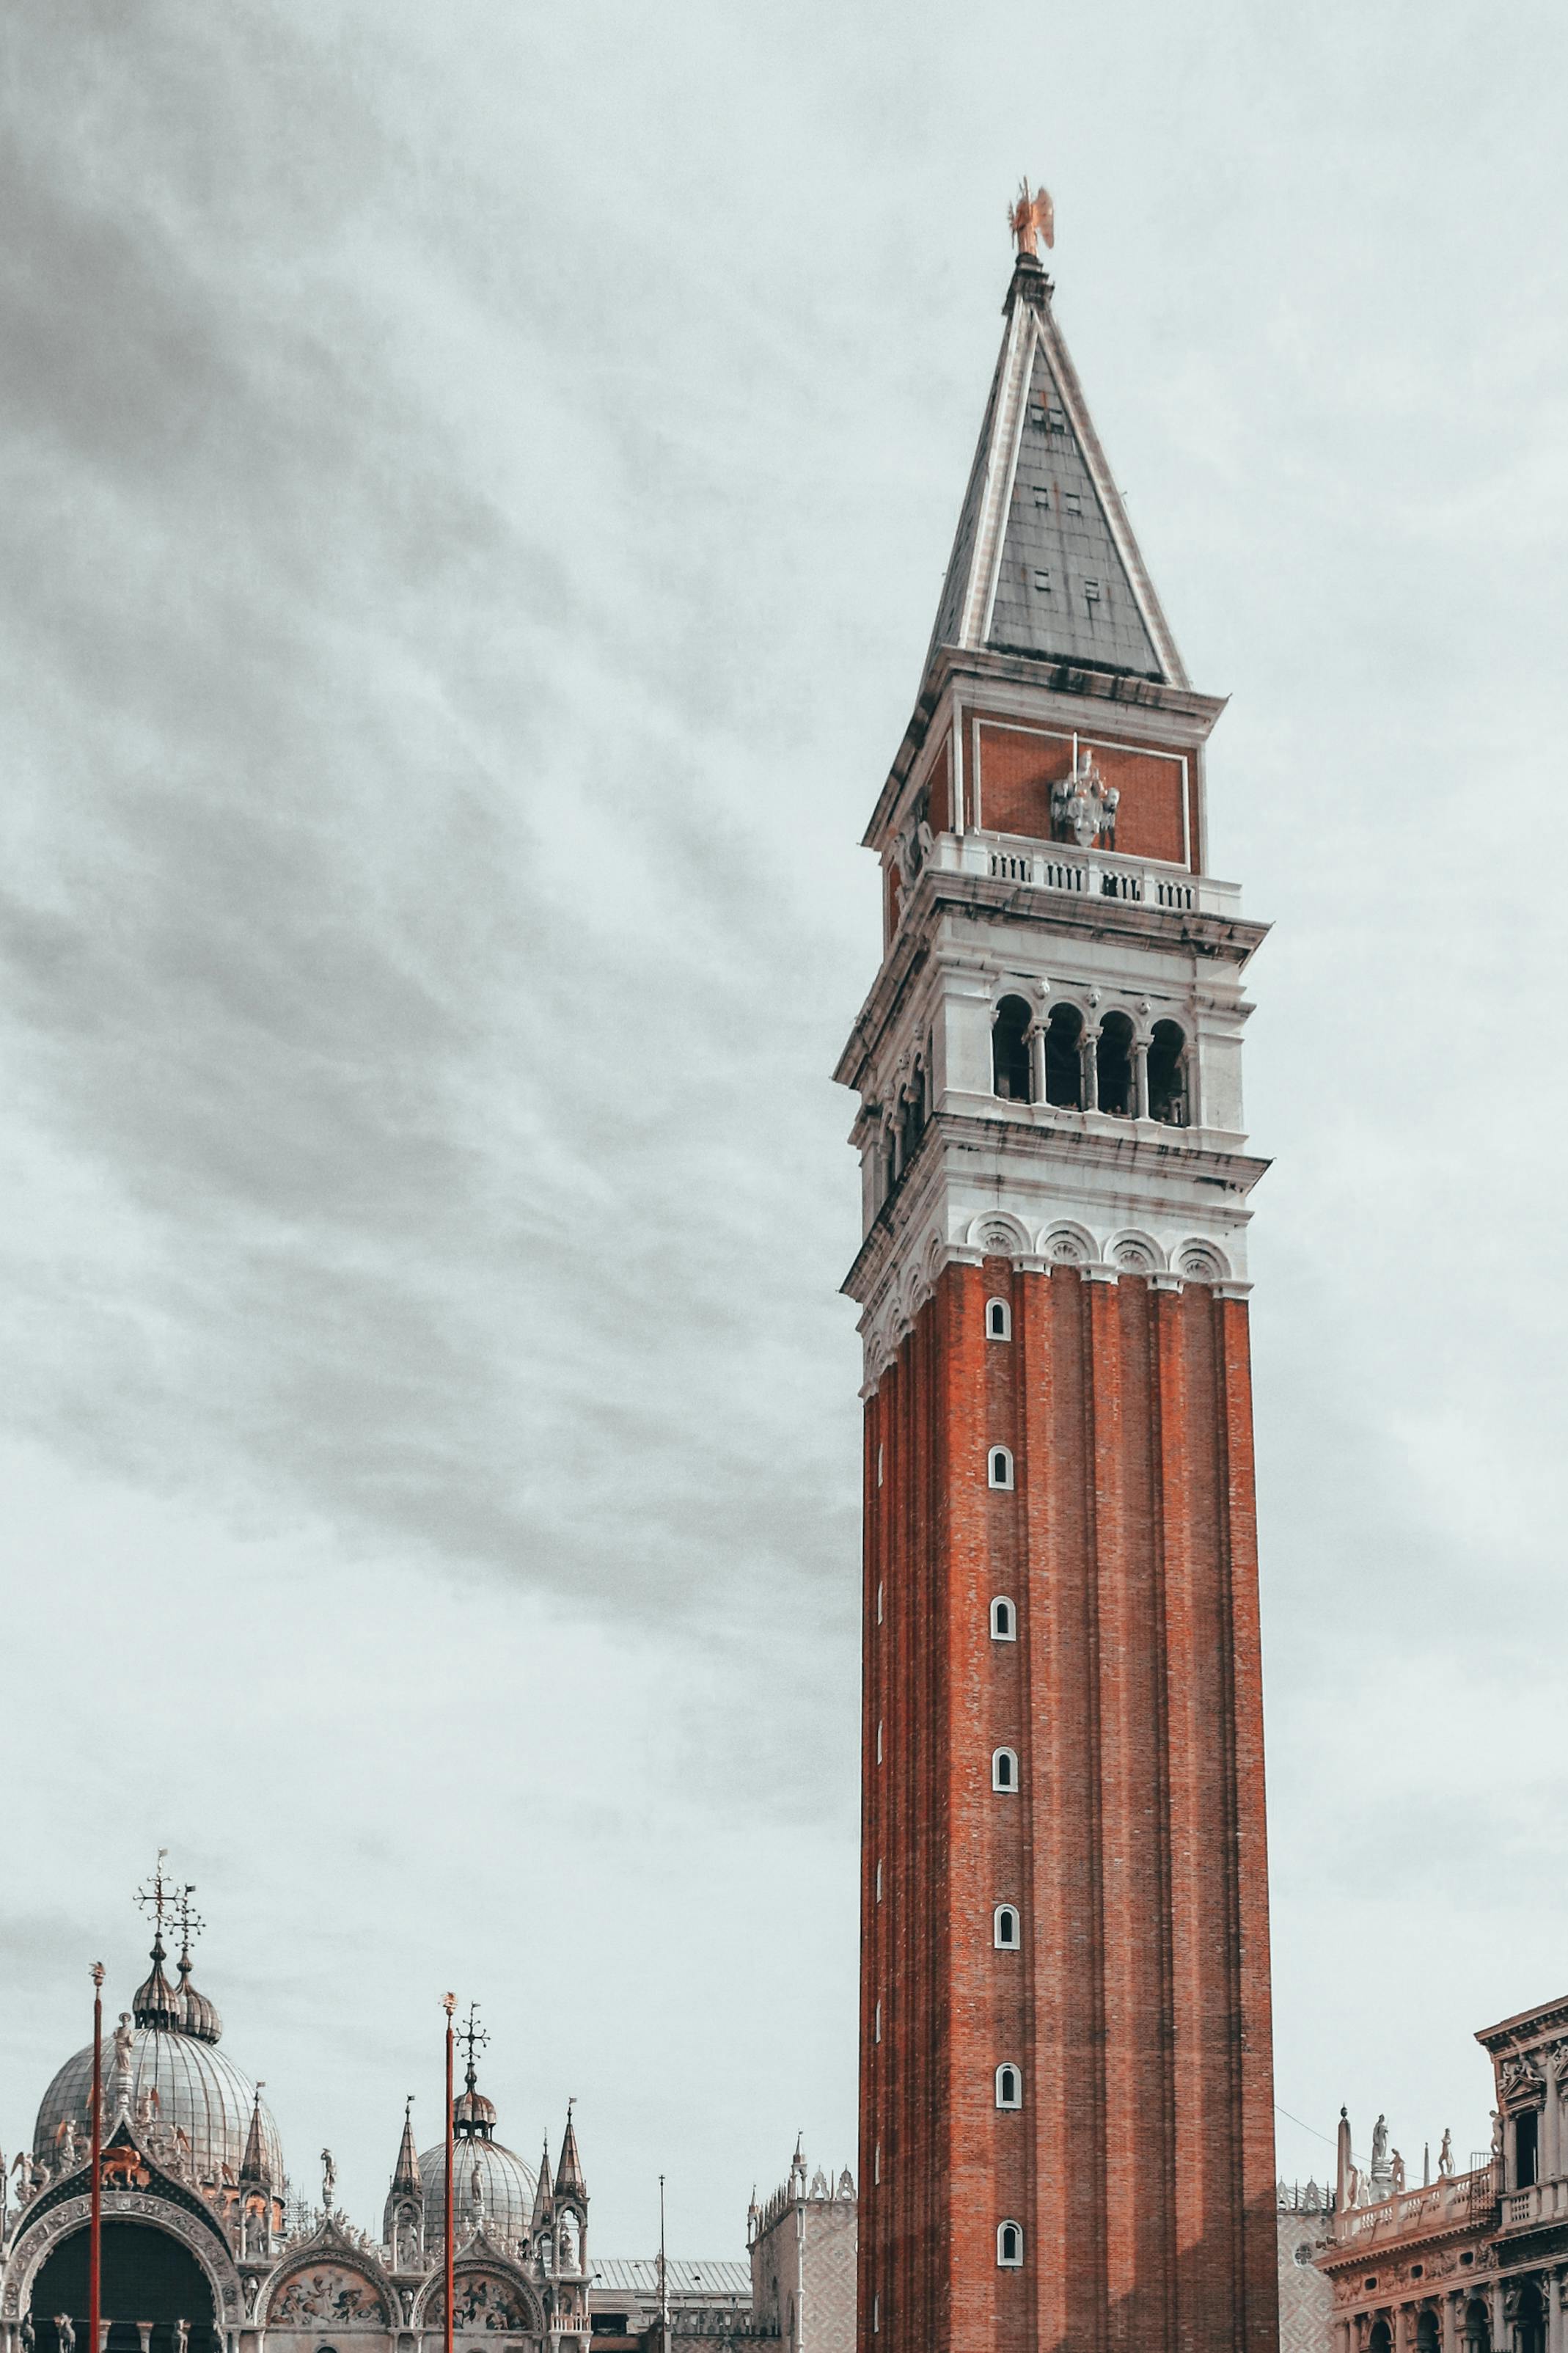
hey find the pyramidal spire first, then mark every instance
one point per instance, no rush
(406, 2173)
(545, 2192)
(254, 2173)
(569, 2181)
(1043, 563)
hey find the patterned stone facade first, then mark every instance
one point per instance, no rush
(1304, 2221)
(803, 2250)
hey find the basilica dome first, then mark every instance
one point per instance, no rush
(169, 2050)
(504, 2198)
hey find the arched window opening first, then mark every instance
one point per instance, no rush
(1382, 2340)
(1426, 2333)
(1009, 2087)
(1113, 1057)
(1004, 1621)
(1529, 2324)
(1010, 2246)
(1168, 1075)
(1064, 1060)
(1006, 1927)
(999, 1470)
(1525, 2148)
(1005, 1768)
(998, 1320)
(1477, 2327)
(1010, 1050)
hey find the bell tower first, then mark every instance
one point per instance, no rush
(1066, 2098)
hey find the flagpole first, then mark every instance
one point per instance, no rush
(663, 2278)
(95, 2226)
(449, 2003)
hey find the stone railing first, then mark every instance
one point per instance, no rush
(1543, 2201)
(1454, 2203)
(1087, 873)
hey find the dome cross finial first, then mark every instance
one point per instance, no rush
(473, 2037)
(158, 1898)
(190, 1921)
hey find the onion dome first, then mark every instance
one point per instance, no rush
(198, 2016)
(198, 2091)
(473, 2116)
(490, 2183)
(155, 2002)
(186, 2100)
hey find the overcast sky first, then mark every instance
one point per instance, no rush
(477, 479)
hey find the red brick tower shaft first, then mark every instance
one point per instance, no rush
(1066, 2088)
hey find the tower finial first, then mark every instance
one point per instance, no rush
(1031, 218)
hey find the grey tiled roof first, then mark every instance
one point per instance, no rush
(1061, 588)
(1044, 562)
(950, 612)
(638, 2275)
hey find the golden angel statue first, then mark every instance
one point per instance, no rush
(1031, 218)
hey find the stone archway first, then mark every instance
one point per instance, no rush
(148, 2275)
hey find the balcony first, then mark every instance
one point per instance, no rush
(1085, 873)
(1526, 2209)
(1463, 2201)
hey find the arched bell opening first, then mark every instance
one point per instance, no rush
(1168, 1074)
(1113, 1058)
(1010, 1050)
(148, 2275)
(1064, 1058)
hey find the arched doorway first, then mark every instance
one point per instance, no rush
(1529, 2321)
(147, 2275)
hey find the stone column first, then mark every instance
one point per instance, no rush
(1550, 2130)
(1551, 2289)
(1501, 2331)
(1449, 2321)
(1189, 1083)
(1088, 1054)
(1140, 1078)
(1037, 1062)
